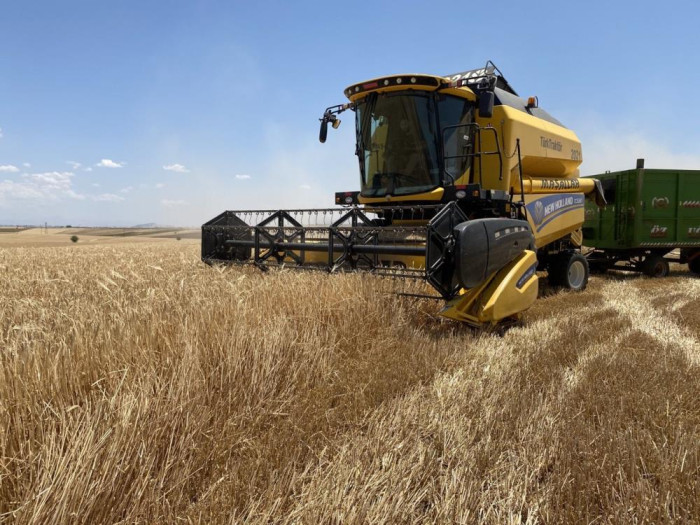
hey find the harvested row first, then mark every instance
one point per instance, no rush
(578, 417)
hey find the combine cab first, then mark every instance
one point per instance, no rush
(463, 184)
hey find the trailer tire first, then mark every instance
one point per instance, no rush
(655, 266)
(569, 270)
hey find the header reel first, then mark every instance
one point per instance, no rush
(401, 241)
(436, 243)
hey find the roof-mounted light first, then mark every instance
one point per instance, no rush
(394, 81)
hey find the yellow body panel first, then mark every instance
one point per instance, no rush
(554, 216)
(463, 92)
(546, 149)
(506, 293)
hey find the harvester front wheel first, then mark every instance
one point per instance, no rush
(569, 270)
(655, 266)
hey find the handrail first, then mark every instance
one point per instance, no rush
(480, 153)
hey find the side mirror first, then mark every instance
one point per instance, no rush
(330, 116)
(486, 99)
(327, 117)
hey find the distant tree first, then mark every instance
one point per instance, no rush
(74, 238)
(178, 237)
(68, 226)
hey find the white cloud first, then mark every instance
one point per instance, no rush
(88, 169)
(1, 135)
(305, 187)
(168, 203)
(96, 184)
(19, 191)
(73, 164)
(107, 197)
(51, 180)
(126, 190)
(26, 165)
(47, 186)
(108, 163)
(160, 185)
(179, 168)
(242, 177)
(9, 168)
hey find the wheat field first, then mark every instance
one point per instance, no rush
(138, 385)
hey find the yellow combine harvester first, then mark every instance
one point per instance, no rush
(463, 183)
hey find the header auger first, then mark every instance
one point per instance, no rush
(463, 184)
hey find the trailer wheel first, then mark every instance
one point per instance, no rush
(569, 270)
(655, 266)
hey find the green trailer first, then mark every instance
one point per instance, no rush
(652, 217)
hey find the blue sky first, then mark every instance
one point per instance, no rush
(125, 112)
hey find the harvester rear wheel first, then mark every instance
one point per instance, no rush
(655, 266)
(694, 263)
(569, 270)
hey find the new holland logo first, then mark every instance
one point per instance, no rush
(547, 209)
(659, 231)
(539, 212)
